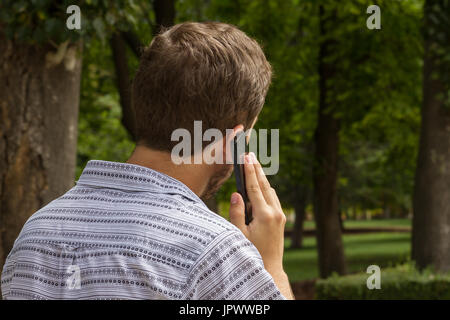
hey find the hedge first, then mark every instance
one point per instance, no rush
(401, 282)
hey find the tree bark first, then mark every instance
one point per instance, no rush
(164, 14)
(120, 59)
(133, 42)
(329, 237)
(431, 220)
(39, 99)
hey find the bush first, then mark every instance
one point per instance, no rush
(401, 282)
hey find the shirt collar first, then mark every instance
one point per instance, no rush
(133, 177)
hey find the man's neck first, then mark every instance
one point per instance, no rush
(194, 176)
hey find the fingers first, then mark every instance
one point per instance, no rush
(252, 185)
(275, 196)
(237, 212)
(269, 194)
(266, 189)
(265, 202)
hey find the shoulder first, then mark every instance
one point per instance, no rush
(224, 236)
(209, 219)
(228, 267)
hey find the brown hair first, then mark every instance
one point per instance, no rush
(209, 71)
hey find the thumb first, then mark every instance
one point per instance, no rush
(237, 212)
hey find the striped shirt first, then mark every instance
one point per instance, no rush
(129, 232)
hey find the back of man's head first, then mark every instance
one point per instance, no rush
(211, 72)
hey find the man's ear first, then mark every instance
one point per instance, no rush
(228, 140)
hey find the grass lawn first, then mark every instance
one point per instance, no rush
(377, 223)
(366, 223)
(361, 250)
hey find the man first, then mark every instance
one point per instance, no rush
(138, 230)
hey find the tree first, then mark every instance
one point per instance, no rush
(39, 94)
(367, 113)
(326, 210)
(431, 222)
(378, 140)
(119, 53)
(164, 14)
(164, 11)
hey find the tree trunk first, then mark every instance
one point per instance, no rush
(300, 213)
(133, 42)
(341, 221)
(39, 98)
(329, 238)
(123, 82)
(431, 220)
(164, 14)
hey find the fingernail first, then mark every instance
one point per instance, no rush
(247, 159)
(254, 159)
(241, 159)
(234, 198)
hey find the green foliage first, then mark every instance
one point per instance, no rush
(101, 135)
(379, 105)
(291, 104)
(437, 33)
(287, 35)
(401, 282)
(42, 21)
(377, 90)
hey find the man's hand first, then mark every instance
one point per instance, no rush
(266, 231)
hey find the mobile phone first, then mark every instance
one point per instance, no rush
(239, 173)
